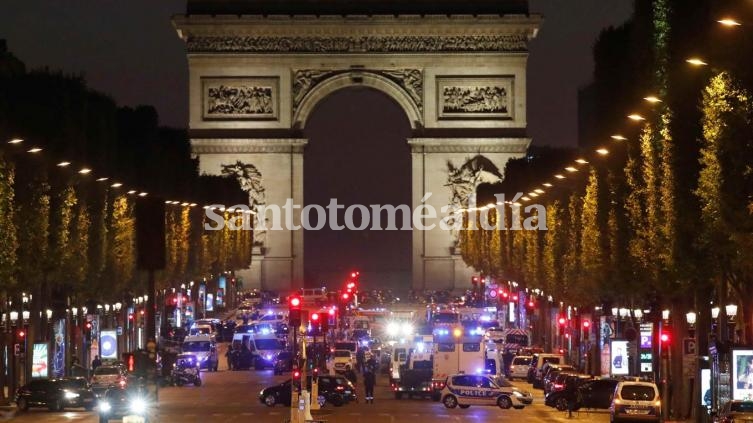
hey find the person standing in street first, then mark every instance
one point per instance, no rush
(96, 362)
(369, 380)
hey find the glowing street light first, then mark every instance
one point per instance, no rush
(547, 184)
(602, 151)
(558, 176)
(618, 137)
(15, 141)
(652, 99)
(636, 117)
(85, 171)
(63, 164)
(34, 150)
(116, 185)
(729, 22)
(695, 61)
(581, 161)
(571, 169)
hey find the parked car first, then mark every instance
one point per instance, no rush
(519, 367)
(465, 390)
(596, 394)
(56, 394)
(333, 389)
(591, 393)
(635, 401)
(551, 374)
(734, 411)
(536, 371)
(105, 377)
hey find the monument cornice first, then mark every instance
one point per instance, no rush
(337, 34)
(469, 145)
(245, 145)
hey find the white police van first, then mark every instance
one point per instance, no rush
(465, 390)
(204, 348)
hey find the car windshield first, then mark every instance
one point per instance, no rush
(423, 365)
(446, 318)
(75, 384)
(551, 360)
(268, 344)
(521, 361)
(741, 407)
(519, 339)
(106, 371)
(194, 346)
(340, 353)
(116, 394)
(638, 392)
(502, 382)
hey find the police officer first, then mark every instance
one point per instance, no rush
(369, 380)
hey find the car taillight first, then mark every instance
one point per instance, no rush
(340, 388)
(122, 383)
(557, 386)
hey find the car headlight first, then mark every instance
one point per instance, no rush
(104, 406)
(138, 405)
(517, 394)
(392, 329)
(261, 393)
(71, 395)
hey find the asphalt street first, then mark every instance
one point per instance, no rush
(232, 396)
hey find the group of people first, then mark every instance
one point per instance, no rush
(369, 369)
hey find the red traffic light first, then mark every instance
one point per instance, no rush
(586, 324)
(295, 302)
(130, 316)
(332, 312)
(353, 274)
(504, 294)
(88, 325)
(345, 296)
(515, 297)
(351, 285)
(531, 304)
(296, 374)
(664, 337)
(314, 317)
(562, 321)
(21, 333)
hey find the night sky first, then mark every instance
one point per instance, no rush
(130, 50)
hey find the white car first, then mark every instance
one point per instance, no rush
(342, 360)
(519, 367)
(465, 390)
(635, 401)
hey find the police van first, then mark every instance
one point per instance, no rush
(465, 390)
(204, 348)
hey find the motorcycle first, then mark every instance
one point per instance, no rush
(185, 370)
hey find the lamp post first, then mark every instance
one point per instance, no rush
(731, 310)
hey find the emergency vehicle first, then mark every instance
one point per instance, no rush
(456, 351)
(510, 340)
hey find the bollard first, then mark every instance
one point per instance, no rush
(306, 402)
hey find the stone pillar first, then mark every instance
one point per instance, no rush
(277, 262)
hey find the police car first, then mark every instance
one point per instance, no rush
(465, 390)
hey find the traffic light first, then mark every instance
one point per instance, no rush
(531, 304)
(294, 309)
(315, 322)
(562, 321)
(586, 329)
(21, 335)
(475, 280)
(88, 331)
(503, 294)
(665, 338)
(130, 361)
(345, 297)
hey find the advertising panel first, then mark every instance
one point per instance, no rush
(58, 360)
(742, 375)
(619, 359)
(39, 361)
(109, 344)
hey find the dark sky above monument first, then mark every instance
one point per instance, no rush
(130, 50)
(357, 151)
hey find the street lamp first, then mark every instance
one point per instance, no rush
(665, 314)
(715, 313)
(690, 317)
(48, 312)
(638, 313)
(731, 310)
(13, 317)
(26, 314)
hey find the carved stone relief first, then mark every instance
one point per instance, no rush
(251, 181)
(410, 80)
(475, 97)
(366, 44)
(240, 98)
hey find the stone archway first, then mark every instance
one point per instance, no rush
(256, 75)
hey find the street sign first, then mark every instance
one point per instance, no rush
(689, 346)
(689, 357)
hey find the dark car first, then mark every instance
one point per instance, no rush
(56, 394)
(334, 389)
(283, 362)
(117, 403)
(593, 393)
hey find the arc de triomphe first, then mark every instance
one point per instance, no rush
(258, 68)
